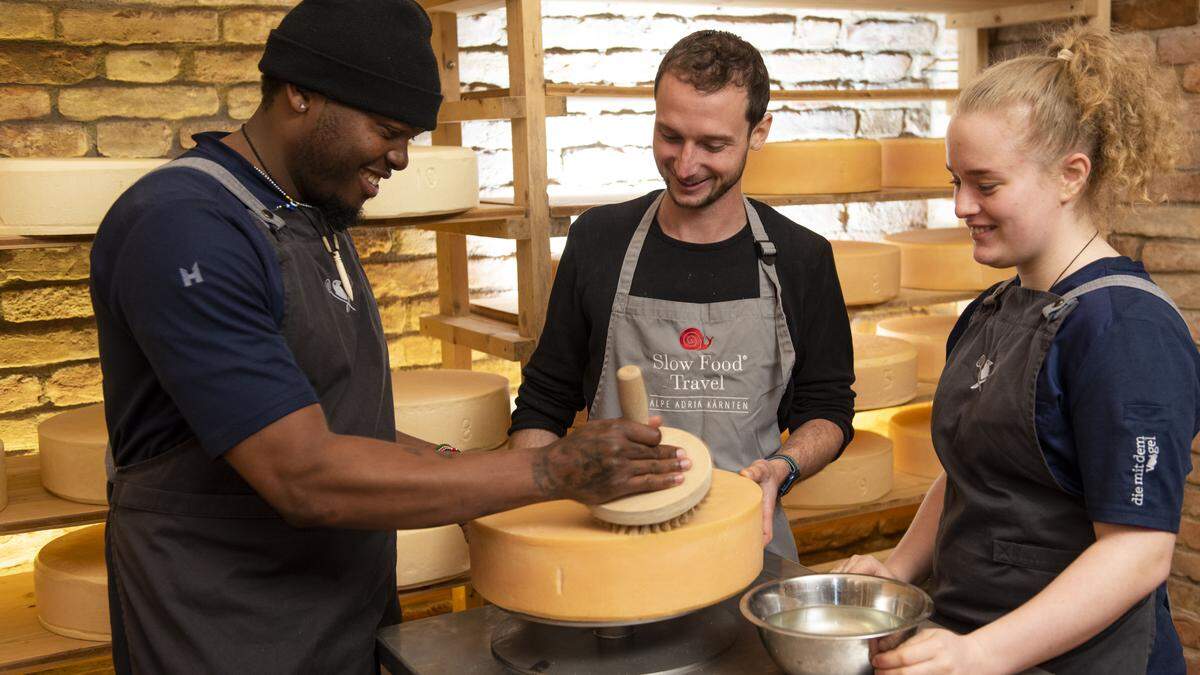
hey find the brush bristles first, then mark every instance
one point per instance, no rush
(652, 528)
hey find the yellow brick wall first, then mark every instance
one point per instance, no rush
(124, 79)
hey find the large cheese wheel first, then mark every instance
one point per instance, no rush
(914, 163)
(3, 480)
(438, 179)
(813, 167)
(71, 449)
(869, 272)
(885, 371)
(429, 555)
(943, 259)
(467, 409)
(70, 585)
(912, 442)
(553, 560)
(63, 196)
(862, 474)
(928, 333)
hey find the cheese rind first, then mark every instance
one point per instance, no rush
(3, 480)
(70, 585)
(63, 196)
(437, 180)
(429, 555)
(813, 167)
(912, 442)
(885, 371)
(467, 409)
(71, 447)
(553, 560)
(928, 333)
(943, 259)
(914, 163)
(861, 475)
(869, 272)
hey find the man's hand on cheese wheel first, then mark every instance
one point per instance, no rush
(607, 459)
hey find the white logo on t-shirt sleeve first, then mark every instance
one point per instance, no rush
(1145, 459)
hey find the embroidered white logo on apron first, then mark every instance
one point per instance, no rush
(984, 364)
(335, 289)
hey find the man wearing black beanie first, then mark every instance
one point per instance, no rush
(257, 478)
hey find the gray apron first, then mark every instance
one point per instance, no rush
(204, 575)
(1007, 528)
(717, 370)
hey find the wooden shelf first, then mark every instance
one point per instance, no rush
(31, 508)
(24, 644)
(492, 107)
(14, 241)
(480, 333)
(919, 6)
(588, 90)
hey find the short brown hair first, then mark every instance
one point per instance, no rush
(709, 60)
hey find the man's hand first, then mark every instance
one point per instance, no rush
(769, 476)
(607, 459)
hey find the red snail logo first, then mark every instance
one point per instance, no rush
(693, 340)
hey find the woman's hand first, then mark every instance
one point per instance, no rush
(864, 564)
(935, 651)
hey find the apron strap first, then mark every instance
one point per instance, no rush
(1123, 280)
(994, 295)
(227, 180)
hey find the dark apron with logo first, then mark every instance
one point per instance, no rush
(1008, 529)
(204, 575)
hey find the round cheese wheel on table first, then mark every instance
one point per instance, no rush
(430, 555)
(437, 180)
(70, 585)
(63, 196)
(861, 475)
(467, 409)
(885, 371)
(912, 442)
(943, 259)
(914, 163)
(928, 333)
(71, 447)
(555, 561)
(869, 272)
(813, 167)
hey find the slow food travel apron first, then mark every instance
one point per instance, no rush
(1007, 528)
(209, 573)
(717, 370)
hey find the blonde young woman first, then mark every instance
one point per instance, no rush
(1070, 396)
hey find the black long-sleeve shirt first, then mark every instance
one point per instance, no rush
(561, 377)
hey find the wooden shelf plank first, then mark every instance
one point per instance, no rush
(31, 507)
(1027, 12)
(907, 490)
(15, 241)
(23, 642)
(918, 6)
(587, 90)
(495, 108)
(481, 334)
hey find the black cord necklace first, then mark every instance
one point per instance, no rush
(333, 247)
(1089, 243)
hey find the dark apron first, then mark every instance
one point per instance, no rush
(205, 576)
(1007, 528)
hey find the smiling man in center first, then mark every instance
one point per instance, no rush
(732, 311)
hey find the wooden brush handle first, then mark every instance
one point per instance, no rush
(631, 390)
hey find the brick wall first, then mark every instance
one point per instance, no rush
(1166, 239)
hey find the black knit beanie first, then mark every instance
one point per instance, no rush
(373, 55)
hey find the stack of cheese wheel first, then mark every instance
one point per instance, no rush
(912, 441)
(813, 167)
(71, 447)
(553, 560)
(885, 371)
(70, 585)
(862, 474)
(943, 259)
(928, 333)
(869, 272)
(63, 196)
(914, 163)
(468, 410)
(438, 179)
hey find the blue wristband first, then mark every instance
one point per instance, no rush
(793, 472)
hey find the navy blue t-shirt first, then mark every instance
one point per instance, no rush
(1117, 396)
(189, 301)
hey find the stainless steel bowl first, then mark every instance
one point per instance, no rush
(834, 623)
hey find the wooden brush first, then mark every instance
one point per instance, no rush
(664, 509)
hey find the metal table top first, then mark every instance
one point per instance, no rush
(461, 643)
